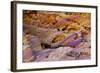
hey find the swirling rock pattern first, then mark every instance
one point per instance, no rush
(56, 36)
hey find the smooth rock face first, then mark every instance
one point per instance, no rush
(53, 54)
(58, 54)
(40, 56)
(34, 43)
